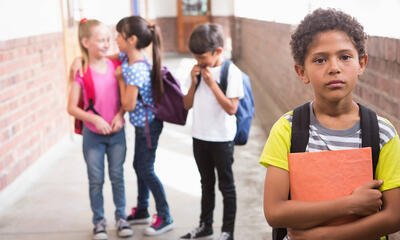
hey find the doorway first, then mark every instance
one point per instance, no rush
(190, 14)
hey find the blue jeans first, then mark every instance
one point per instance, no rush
(95, 147)
(143, 163)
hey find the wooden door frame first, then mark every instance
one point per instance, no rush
(179, 24)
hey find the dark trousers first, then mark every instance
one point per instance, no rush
(210, 156)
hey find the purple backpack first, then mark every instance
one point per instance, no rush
(170, 108)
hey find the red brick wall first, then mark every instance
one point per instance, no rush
(264, 54)
(32, 101)
(379, 87)
(169, 33)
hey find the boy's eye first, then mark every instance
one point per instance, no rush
(319, 60)
(345, 57)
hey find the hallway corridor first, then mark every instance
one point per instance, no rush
(55, 203)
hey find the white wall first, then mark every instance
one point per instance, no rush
(162, 8)
(107, 11)
(222, 7)
(22, 18)
(168, 8)
(379, 18)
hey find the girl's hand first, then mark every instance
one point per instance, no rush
(118, 74)
(366, 199)
(101, 125)
(76, 66)
(117, 123)
(196, 70)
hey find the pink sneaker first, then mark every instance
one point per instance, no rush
(159, 226)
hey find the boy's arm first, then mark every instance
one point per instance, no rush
(230, 105)
(281, 212)
(189, 97)
(371, 227)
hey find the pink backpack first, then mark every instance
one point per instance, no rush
(90, 95)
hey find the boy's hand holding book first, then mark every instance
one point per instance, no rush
(366, 199)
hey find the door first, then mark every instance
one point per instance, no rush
(190, 14)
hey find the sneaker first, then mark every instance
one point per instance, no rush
(201, 232)
(139, 216)
(99, 231)
(123, 228)
(159, 226)
(225, 236)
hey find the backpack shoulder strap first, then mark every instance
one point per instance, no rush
(89, 88)
(116, 62)
(223, 83)
(300, 128)
(370, 133)
(299, 141)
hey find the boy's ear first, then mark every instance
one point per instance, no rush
(219, 50)
(363, 65)
(301, 73)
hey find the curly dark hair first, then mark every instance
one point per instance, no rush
(322, 20)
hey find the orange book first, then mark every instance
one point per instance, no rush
(326, 175)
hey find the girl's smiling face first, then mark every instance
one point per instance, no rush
(332, 66)
(98, 43)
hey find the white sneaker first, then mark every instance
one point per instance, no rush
(124, 228)
(99, 231)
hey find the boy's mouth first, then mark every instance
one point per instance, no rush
(335, 84)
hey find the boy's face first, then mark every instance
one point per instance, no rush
(332, 66)
(209, 59)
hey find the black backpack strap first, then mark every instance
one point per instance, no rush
(300, 128)
(299, 141)
(370, 133)
(198, 81)
(223, 83)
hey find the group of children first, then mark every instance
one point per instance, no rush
(329, 49)
(132, 85)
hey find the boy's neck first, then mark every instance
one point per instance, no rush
(334, 108)
(219, 61)
(336, 115)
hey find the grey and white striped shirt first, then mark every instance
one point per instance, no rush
(325, 139)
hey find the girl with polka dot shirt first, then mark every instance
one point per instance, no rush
(139, 83)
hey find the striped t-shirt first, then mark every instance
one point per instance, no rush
(325, 139)
(277, 147)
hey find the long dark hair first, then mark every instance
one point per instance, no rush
(146, 33)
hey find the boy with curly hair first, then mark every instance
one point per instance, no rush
(330, 53)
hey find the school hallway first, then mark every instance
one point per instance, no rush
(51, 200)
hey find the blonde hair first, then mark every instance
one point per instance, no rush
(85, 31)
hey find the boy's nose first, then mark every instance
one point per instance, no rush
(334, 67)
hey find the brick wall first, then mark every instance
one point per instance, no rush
(169, 33)
(32, 101)
(264, 54)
